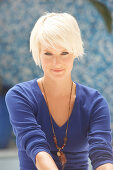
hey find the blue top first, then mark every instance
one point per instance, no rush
(89, 132)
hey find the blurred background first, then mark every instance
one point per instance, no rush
(17, 19)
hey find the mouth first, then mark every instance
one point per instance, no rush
(57, 70)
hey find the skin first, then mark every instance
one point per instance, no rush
(107, 166)
(58, 85)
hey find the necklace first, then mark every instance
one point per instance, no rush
(60, 154)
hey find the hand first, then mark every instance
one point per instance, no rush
(45, 161)
(107, 166)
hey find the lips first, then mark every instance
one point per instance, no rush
(57, 70)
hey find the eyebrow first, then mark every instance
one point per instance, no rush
(47, 50)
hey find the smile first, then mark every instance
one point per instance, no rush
(57, 70)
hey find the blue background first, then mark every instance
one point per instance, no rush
(17, 19)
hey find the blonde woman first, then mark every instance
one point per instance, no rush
(58, 123)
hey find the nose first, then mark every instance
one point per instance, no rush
(56, 60)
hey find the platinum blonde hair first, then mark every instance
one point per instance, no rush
(54, 29)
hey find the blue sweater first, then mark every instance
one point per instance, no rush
(89, 132)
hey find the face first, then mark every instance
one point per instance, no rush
(56, 63)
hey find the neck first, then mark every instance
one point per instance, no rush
(57, 88)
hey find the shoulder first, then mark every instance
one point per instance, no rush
(86, 91)
(23, 90)
(91, 97)
(26, 86)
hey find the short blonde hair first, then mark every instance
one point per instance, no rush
(53, 29)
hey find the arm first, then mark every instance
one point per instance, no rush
(28, 132)
(107, 166)
(99, 135)
(45, 161)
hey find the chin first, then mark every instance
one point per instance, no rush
(58, 76)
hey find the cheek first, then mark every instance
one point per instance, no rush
(45, 63)
(69, 62)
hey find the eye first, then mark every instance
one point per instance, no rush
(64, 53)
(47, 53)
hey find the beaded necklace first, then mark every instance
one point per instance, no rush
(60, 154)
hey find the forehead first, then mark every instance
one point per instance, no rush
(53, 49)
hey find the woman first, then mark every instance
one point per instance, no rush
(58, 123)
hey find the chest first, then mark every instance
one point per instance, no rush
(61, 109)
(77, 132)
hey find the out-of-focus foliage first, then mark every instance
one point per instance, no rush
(105, 13)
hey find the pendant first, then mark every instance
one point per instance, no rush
(58, 153)
(62, 158)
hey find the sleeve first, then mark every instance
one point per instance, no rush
(99, 134)
(30, 136)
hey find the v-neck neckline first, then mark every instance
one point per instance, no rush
(48, 108)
